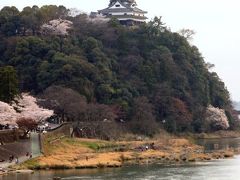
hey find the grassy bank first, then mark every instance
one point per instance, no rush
(66, 153)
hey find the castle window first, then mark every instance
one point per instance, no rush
(117, 5)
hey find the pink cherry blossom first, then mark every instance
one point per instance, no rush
(25, 108)
(217, 118)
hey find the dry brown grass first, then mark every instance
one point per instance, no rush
(94, 153)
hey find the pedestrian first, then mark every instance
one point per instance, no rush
(11, 158)
(16, 160)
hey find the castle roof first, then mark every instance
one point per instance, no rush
(126, 11)
(126, 4)
(122, 1)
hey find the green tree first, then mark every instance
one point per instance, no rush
(31, 19)
(113, 64)
(8, 84)
(10, 21)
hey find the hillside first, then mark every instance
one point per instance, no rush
(146, 76)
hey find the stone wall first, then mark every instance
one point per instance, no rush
(63, 129)
(11, 144)
(9, 136)
(18, 149)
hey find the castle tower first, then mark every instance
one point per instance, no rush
(126, 11)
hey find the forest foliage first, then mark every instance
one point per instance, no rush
(148, 76)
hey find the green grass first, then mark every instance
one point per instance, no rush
(98, 145)
(31, 164)
(94, 145)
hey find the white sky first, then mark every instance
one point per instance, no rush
(216, 23)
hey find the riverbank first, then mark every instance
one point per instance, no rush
(213, 135)
(69, 153)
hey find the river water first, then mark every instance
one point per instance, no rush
(227, 169)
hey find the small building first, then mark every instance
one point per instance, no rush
(126, 11)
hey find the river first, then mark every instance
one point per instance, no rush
(227, 169)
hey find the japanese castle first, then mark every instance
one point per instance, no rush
(126, 11)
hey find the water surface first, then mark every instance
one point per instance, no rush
(215, 170)
(219, 144)
(227, 169)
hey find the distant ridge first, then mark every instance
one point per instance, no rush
(236, 105)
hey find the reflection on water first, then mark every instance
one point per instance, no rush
(214, 170)
(220, 144)
(228, 169)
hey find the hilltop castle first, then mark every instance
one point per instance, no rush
(126, 11)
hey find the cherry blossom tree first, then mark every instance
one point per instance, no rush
(7, 114)
(25, 108)
(216, 118)
(28, 107)
(26, 124)
(57, 27)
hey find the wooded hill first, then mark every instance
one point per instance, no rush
(147, 76)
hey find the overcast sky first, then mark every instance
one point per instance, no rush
(216, 23)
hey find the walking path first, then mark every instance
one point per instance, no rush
(6, 164)
(34, 150)
(35, 145)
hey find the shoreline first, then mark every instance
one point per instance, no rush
(214, 135)
(89, 154)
